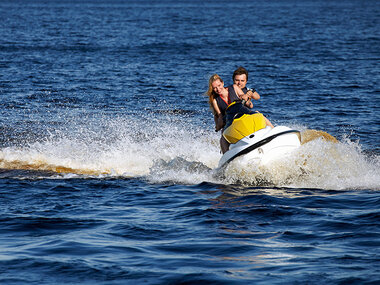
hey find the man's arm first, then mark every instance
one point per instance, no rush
(253, 94)
(243, 96)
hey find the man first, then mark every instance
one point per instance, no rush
(236, 92)
(240, 78)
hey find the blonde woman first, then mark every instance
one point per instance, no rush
(219, 97)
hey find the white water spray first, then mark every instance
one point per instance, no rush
(176, 151)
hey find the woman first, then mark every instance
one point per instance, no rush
(219, 99)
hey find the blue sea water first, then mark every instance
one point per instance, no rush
(108, 150)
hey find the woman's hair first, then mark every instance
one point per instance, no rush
(210, 92)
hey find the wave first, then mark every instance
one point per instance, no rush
(318, 163)
(174, 150)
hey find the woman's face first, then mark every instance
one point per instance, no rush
(217, 86)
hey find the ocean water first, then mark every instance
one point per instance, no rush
(108, 153)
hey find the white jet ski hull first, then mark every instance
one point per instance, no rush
(263, 146)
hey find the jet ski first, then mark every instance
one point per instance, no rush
(252, 140)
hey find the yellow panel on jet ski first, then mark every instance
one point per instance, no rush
(244, 126)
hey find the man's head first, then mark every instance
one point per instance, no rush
(240, 77)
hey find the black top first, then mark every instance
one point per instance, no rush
(231, 98)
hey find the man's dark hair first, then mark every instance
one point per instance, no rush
(239, 71)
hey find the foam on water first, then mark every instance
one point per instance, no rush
(316, 164)
(121, 146)
(173, 150)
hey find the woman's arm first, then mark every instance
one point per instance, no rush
(218, 118)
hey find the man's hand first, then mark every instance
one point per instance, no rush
(249, 94)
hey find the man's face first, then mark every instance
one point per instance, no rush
(240, 80)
